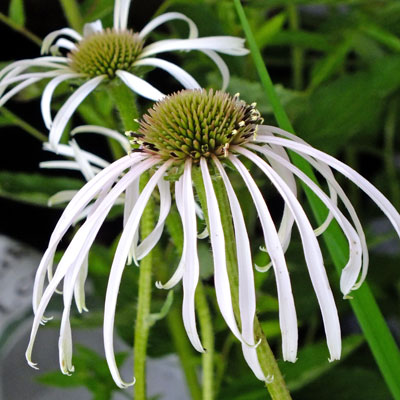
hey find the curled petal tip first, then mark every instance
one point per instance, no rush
(266, 268)
(269, 378)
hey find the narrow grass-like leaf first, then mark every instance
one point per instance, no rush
(377, 333)
(16, 12)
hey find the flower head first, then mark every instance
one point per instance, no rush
(101, 55)
(204, 132)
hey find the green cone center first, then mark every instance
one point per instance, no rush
(196, 123)
(106, 52)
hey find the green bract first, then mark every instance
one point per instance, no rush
(196, 123)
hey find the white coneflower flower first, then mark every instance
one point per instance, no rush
(105, 54)
(210, 131)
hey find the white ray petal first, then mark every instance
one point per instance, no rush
(382, 202)
(223, 44)
(69, 107)
(120, 138)
(66, 150)
(84, 165)
(70, 165)
(65, 44)
(178, 274)
(17, 89)
(221, 279)
(121, 13)
(247, 297)
(187, 81)
(312, 255)
(117, 269)
(72, 211)
(78, 249)
(191, 271)
(140, 86)
(161, 19)
(61, 197)
(287, 311)
(152, 239)
(92, 27)
(49, 39)
(220, 63)
(50, 61)
(79, 288)
(47, 95)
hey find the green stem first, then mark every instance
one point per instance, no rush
(73, 14)
(184, 350)
(22, 30)
(207, 336)
(125, 103)
(377, 333)
(277, 388)
(297, 52)
(14, 119)
(142, 326)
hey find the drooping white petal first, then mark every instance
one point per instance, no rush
(79, 288)
(140, 86)
(220, 63)
(117, 269)
(92, 27)
(22, 65)
(247, 297)
(49, 39)
(17, 89)
(69, 107)
(221, 280)
(152, 239)
(71, 165)
(61, 197)
(65, 150)
(382, 202)
(65, 44)
(356, 244)
(312, 255)
(178, 274)
(187, 81)
(121, 139)
(84, 165)
(121, 13)
(287, 311)
(191, 270)
(47, 95)
(161, 19)
(72, 211)
(223, 44)
(79, 247)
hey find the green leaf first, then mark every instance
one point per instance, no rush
(16, 12)
(35, 188)
(313, 362)
(269, 29)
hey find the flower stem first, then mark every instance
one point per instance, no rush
(375, 329)
(277, 387)
(22, 30)
(126, 105)
(184, 350)
(73, 14)
(142, 326)
(207, 335)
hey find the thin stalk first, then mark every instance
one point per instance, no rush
(184, 350)
(73, 14)
(22, 30)
(375, 329)
(127, 109)
(297, 52)
(14, 119)
(142, 326)
(277, 387)
(207, 336)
